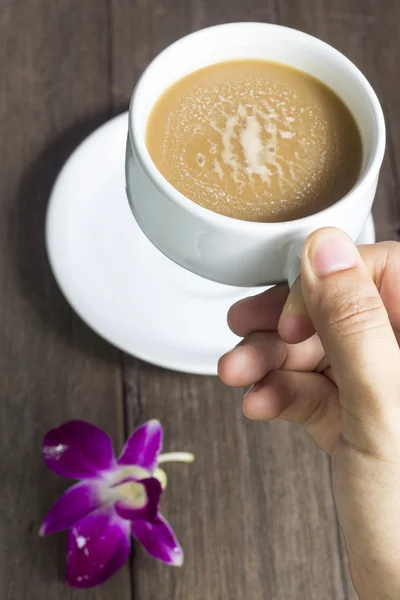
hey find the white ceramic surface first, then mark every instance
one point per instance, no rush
(117, 281)
(218, 247)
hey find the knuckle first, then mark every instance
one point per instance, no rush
(313, 410)
(314, 413)
(351, 313)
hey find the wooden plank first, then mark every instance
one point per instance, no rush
(142, 29)
(254, 513)
(54, 89)
(385, 59)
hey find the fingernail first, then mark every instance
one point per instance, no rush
(331, 251)
(253, 388)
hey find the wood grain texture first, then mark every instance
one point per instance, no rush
(254, 512)
(54, 89)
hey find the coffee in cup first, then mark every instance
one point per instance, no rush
(235, 251)
(255, 140)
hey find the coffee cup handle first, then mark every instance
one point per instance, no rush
(293, 261)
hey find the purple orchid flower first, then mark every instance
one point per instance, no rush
(114, 499)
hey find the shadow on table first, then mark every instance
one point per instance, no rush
(28, 246)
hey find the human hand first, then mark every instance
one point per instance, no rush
(342, 384)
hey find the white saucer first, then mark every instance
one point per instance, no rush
(117, 281)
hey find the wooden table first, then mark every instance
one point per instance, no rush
(254, 513)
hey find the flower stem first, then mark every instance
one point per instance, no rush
(186, 457)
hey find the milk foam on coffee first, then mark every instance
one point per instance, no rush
(255, 140)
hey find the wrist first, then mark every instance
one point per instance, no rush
(377, 579)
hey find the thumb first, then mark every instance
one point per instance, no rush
(351, 320)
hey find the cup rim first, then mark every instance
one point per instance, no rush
(363, 183)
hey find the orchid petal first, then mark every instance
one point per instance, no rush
(97, 547)
(144, 505)
(143, 446)
(78, 450)
(158, 540)
(77, 502)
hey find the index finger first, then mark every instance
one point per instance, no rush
(258, 313)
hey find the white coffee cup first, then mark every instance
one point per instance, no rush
(226, 250)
